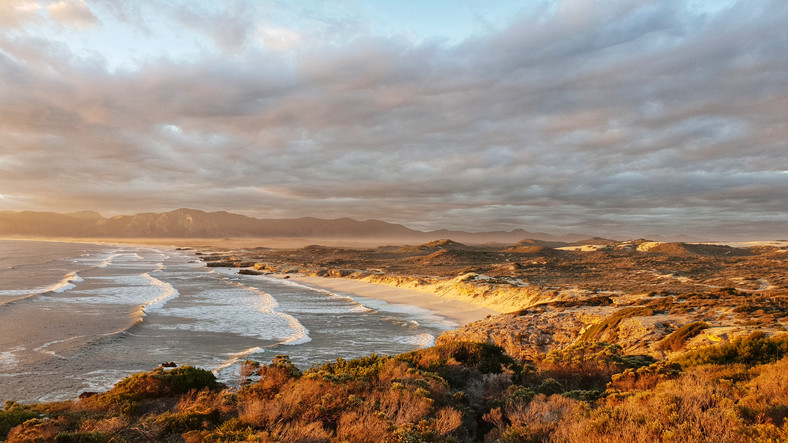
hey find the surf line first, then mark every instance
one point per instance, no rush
(66, 283)
(300, 333)
(167, 292)
(359, 307)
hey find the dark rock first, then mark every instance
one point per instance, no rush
(249, 272)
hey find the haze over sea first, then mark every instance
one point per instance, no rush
(78, 317)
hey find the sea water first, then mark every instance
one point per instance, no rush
(78, 317)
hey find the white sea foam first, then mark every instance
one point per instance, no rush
(355, 305)
(420, 340)
(418, 316)
(237, 357)
(66, 283)
(107, 261)
(299, 333)
(166, 292)
(8, 359)
(43, 347)
(94, 381)
(147, 292)
(237, 310)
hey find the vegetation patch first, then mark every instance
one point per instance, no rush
(404, 398)
(678, 338)
(757, 348)
(610, 324)
(368, 366)
(14, 414)
(588, 365)
(600, 300)
(125, 397)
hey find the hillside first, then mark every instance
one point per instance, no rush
(190, 223)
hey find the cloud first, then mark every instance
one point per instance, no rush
(279, 39)
(73, 13)
(633, 117)
(13, 13)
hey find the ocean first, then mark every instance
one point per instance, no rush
(78, 317)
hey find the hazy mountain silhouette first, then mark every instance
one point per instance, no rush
(191, 223)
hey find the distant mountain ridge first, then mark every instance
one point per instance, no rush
(192, 223)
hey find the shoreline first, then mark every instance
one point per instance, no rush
(457, 311)
(454, 309)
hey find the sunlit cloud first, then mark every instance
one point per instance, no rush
(649, 117)
(72, 13)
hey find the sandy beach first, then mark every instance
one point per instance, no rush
(455, 310)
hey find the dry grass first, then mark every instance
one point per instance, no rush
(403, 406)
(35, 430)
(391, 400)
(447, 420)
(303, 432)
(365, 426)
(260, 412)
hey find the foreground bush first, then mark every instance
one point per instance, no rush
(12, 415)
(125, 397)
(453, 393)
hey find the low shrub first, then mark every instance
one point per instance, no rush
(366, 367)
(460, 363)
(180, 422)
(676, 340)
(754, 349)
(588, 365)
(14, 414)
(34, 430)
(125, 397)
(610, 324)
(485, 357)
(645, 377)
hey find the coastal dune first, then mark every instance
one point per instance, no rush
(456, 310)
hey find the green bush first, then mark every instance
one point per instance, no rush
(676, 340)
(593, 356)
(182, 380)
(588, 365)
(646, 377)
(515, 395)
(587, 395)
(14, 415)
(124, 398)
(366, 367)
(549, 387)
(485, 357)
(754, 349)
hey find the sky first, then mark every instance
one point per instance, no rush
(614, 118)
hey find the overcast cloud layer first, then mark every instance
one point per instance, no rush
(616, 118)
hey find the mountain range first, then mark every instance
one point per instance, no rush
(191, 223)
